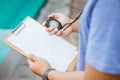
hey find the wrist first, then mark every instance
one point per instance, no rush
(45, 75)
(75, 26)
(52, 75)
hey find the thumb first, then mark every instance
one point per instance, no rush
(44, 24)
(51, 15)
(32, 57)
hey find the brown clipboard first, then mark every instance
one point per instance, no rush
(70, 68)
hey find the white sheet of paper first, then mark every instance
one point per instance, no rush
(34, 39)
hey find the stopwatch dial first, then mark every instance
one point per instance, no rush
(54, 24)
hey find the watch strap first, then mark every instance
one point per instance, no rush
(45, 75)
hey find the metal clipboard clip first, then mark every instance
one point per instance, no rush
(18, 29)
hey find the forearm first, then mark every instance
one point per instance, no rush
(75, 26)
(56, 75)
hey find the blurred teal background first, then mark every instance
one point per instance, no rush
(12, 12)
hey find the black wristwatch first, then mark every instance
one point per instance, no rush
(45, 75)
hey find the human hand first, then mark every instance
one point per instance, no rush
(38, 65)
(63, 20)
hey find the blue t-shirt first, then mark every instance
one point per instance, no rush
(100, 36)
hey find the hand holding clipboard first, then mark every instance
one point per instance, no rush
(31, 37)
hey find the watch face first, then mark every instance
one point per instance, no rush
(54, 24)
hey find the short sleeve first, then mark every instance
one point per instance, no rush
(103, 49)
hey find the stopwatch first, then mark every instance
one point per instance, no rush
(53, 23)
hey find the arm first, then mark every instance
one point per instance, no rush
(39, 66)
(89, 74)
(93, 74)
(56, 75)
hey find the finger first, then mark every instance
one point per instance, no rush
(49, 29)
(67, 31)
(54, 31)
(30, 62)
(54, 15)
(44, 24)
(32, 57)
(59, 33)
(51, 15)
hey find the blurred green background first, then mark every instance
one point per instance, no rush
(12, 12)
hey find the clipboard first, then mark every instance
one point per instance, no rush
(27, 26)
